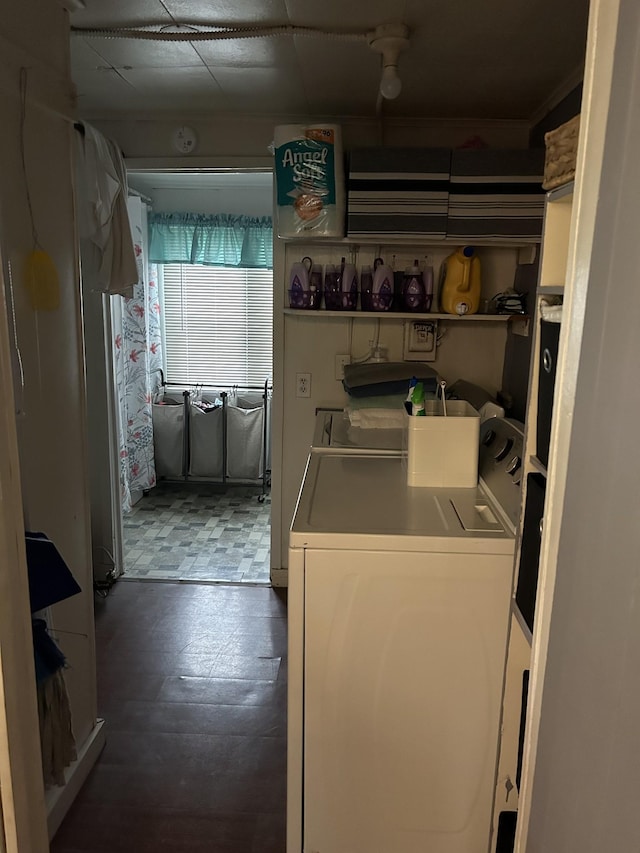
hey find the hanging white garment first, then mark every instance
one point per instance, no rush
(103, 222)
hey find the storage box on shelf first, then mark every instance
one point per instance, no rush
(496, 193)
(438, 193)
(555, 242)
(551, 286)
(398, 191)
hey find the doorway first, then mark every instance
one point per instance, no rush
(203, 513)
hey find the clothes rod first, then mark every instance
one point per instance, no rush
(219, 386)
(139, 195)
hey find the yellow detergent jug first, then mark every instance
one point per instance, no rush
(461, 286)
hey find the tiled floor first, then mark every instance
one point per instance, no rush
(199, 532)
(192, 685)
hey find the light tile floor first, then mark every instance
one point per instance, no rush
(199, 532)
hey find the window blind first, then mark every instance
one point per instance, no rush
(218, 324)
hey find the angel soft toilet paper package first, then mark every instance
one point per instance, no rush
(309, 172)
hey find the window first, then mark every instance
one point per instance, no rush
(218, 324)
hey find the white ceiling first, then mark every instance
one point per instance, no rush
(502, 59)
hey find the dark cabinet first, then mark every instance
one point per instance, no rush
(530, 548)
(549, 338)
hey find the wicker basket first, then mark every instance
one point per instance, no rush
(560, 158)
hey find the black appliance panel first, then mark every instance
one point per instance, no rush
(523, 723)
(549, 338)
(530, 551)
(506, 838)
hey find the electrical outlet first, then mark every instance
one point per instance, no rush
(303, 384)
(341, 360)
(420, 340)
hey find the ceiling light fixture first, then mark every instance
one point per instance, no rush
(389, 40)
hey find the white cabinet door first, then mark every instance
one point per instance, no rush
(403, 660)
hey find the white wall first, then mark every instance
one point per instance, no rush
(51, 419)
(235, 200)
(252, 136)
(22, 813)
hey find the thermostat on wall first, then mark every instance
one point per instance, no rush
(185, 140)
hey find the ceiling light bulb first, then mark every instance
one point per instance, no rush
(390, 84)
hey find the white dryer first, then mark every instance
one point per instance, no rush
(399, 603)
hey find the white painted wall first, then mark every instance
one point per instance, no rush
(252, 136)
(51, 419)
(22, 813)
(238, 201)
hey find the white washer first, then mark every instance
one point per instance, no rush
(399, 604)
(333, 433)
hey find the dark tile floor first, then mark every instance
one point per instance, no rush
(192, 683)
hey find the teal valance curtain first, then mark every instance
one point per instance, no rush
(221, 240)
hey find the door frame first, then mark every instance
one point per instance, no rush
(233, 164)
(23, 814)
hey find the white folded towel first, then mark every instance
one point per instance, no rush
(376, 418)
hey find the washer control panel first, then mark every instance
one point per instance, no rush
(500, 463)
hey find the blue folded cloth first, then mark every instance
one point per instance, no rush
(50, 579)
(387, 377)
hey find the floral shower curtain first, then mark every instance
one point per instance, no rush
(137, 359)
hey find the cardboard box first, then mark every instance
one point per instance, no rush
(443, 451)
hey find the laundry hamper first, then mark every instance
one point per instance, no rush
(206, 436)
(245, 439)
(168, 440)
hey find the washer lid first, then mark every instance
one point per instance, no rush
(366, 499)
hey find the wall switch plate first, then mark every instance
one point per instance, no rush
(420, 340)
(303, 384)
(341, 360)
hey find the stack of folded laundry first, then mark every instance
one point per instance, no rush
(377, 391)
